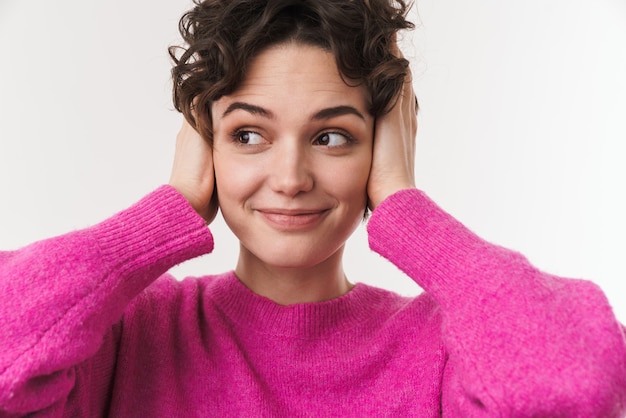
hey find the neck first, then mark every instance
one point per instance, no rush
(287, 285)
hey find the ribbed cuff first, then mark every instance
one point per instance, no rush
(156, 233)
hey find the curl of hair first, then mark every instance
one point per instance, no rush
(223, 36)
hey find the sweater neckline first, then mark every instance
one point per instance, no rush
(303, 320)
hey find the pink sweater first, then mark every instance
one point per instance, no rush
(87, 329)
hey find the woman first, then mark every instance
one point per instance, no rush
(306, 118)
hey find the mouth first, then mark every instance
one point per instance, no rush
(287, 219)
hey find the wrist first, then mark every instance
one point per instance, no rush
(377, 197)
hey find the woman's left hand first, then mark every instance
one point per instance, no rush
(393, 162)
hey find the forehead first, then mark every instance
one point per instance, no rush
(296, 75)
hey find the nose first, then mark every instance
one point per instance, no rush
(291, 172)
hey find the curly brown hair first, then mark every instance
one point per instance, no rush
(223, 36)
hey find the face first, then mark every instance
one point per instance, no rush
(292, 155)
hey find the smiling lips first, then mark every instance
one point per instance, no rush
(292, 219)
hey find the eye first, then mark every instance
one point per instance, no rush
(332, 139)
(247, 137)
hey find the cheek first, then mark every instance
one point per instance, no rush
(234, 179)
(349, 178)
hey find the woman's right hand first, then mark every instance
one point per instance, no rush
(192, 173)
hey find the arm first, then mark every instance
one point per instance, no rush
(520, 342)
(60, 297)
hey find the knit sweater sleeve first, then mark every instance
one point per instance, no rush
(60, 297)
(520, 342)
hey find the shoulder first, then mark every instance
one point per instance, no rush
(408, 312)
(168, 299)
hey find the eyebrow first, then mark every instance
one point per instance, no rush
(333, 112)
(255, 110)
(328, 113)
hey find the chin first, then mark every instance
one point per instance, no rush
(291, 257)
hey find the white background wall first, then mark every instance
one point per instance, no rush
(522, 129)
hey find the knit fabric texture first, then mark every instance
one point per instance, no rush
(92, 325)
